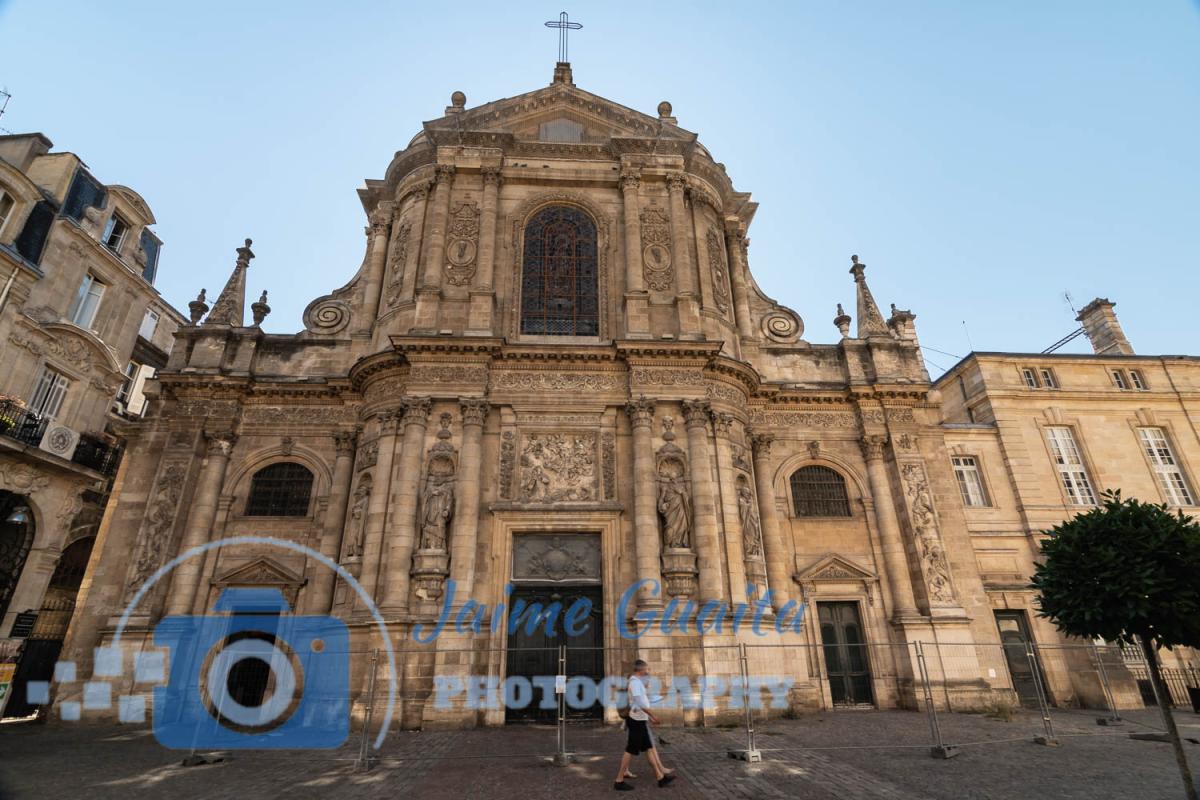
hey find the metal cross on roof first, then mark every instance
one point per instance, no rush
(563, 24)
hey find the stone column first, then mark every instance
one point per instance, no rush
(466, 508)
(637, 308)
(200, 520)
(891, 541)
(377, 508)
(779, 567)
(379, 231)
(320, 597)
(704, 508)
(480, 315)
(404, 501)
(687, 302)
(645, 491)
(429, 290)
(736, 239)
(416, 242)
(727, 486)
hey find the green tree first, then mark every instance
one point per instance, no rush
(1127, 571)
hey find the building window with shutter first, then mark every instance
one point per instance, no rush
(819, 492)
(1166, 467)
(49, 392)
(87, 301)
(970, 481)
(1069, 463)
(280, 490)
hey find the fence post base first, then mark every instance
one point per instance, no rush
(943, 751)
(749, 756)
(1048, 741)
(563, 759)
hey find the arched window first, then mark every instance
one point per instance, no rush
(819, 492)
(280, 490)
(559, 277)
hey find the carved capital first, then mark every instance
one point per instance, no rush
(722, 422)
(676, 182)
(491, 176)
(221, 444)
(443, 174)
(344, 442)
(630, 180)
(761, 444)
(474, 410)
(641, 412)
(380, 219)
(388, 422)
(872, 446)
(695, 413)
(415, 410)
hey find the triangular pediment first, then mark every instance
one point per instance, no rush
(833, 567)
(556, 110)
(260, 572)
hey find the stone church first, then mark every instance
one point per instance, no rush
(552, 376)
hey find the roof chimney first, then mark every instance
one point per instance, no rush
(1101, 326)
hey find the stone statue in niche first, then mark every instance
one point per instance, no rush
(674, 505)
(751, 529)
(437, 500)
(358, 518)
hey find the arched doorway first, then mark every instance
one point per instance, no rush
(17, 529)
(45, 641)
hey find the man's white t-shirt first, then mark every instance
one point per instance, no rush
(638, 701)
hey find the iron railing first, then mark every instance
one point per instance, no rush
(97, 454)
(17, 422)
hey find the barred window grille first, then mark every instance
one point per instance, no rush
(819, 492)
(559, 279)
(280, 490)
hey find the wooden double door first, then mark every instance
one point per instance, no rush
(532, 654)
(847, 660)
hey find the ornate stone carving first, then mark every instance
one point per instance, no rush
(781, 325)
(343, 443)
(69, 350)
(722, 423)
(739, 458)
(415, 410)
(462, 244)
(674, 495)
(748, 515)
(474, 410)
(357, 518)
(872, 446)
(725, 393)
(558, 467)
(558, 381)
(630, 180)
(21, 478)
(553, 557)
(448, 373)
(929, 542)
(761, 442)
(508, 459)
(397, 259)
(286, 444)
(221, 444)
(667, 376)
(804, 419)
(368, 454)
(656, 249)
(900, 415)
(156, 531)
(720, 273)
(437, 497)
(695, 413)
(641, 412)
(608, 449)
(326, 315)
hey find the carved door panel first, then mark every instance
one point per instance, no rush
(847, 661)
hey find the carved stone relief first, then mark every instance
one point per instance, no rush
(558, 467)
(437, 497)
(357, 518)
(674, 494)
(397, 259)
(554, 557)
(564, 381)
(508, 458)
(656, 249)
(929, 542)
(156, 531)
(462, 244)
(804, 419)
(748, 515)
(720, 273)
(608, 446)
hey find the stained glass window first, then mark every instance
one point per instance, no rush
(560, 293)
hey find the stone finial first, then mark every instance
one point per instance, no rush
(458, 100)
(901, 323)
(260, 309)
(1102, 328)
(842, 321)
(870, 321)
(562, 73)
(664, 113)
(230, 308)
(198, 308)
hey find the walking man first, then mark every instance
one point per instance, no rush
(638, 726)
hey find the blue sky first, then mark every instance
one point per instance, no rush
(981, 158)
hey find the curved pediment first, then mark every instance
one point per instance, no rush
(135, 200)
(74, 340)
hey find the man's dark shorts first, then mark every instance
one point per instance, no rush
(639, 736)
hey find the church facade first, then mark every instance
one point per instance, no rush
(552, 377)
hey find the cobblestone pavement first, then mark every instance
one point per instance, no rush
(853, 754)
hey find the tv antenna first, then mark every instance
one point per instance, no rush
(1075, 334)
(5, 96)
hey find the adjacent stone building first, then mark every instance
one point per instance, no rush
(81, 329)
(554, 371)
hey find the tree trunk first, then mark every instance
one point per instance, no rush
(1164, 705)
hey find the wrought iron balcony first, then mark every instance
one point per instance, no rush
(97, 454)
(18, 422)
